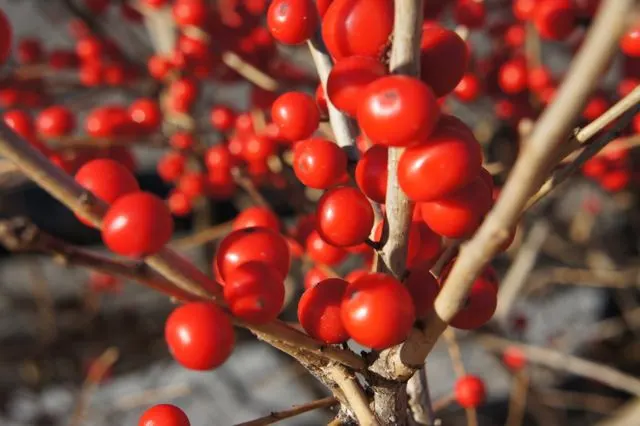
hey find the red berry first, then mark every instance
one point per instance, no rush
(423, 288)
(513, 77)
(345, 216)
(193, 184)
(179, 203)
(254, 292)
(470, 391)
(357, 27)
(183, 93)
(292, 21)
(596, 106)
(91, 74)
(630, 42)
(371, 173)
(468, 90)
(481, 300)
(319, 311)
(190, 12)
(6, 37)
(555, 19)
(319, 163)
(445, 48)
(257, 217)
(470, 13)
(398, 111)
(137, 224)
(459, 215)
(377, 311)
(55, 121)
(106, 179)
(218, 158)
(182, 140)
(222, 118)
(159, 67)
(108, 122)
(20, 122)
(146, 113)
(171, 166)
(514, 358)
(515, 36)
(348, 79)
(414, 239)
(199, 335)
(29, 51)
(164, 415)
(524, 9)
(322, 252)
(314, 276)
(356, 274)
(253, 244)
(258, 148)
(430, 245)
(296, 114)
(447, 161)
(539, 79)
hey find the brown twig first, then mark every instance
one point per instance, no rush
(517, 399)
(249, 72)
(571, 364)
(98, 370)
(203, 236)
(532, 165)
(354, 395)
(582, 401)
(458, 366)
(276, 416)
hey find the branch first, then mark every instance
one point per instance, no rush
(276, 416)
(354, 395)
(344, 129)
(532, 165)
(203, 236)
(562, 362)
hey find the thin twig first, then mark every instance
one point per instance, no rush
(581, 401)
(458, 366)
(563, 362)
(517, 399)
(276, 416)
(203, 236)
(354, 395)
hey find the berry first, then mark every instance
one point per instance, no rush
(348, 78)
(292, 21)
(539, 79)
(514, 358)
(253, 244)
(371, 173)
(446, 49)
(458, 215)
(199, 335)
(524, 9)
(296, 114)
(256, 216)
(20, 122)
(106, 179)
(179, 203)
(357, 27)
(630, 42)
(448, 160)
(182, 140)
(29, 51)
(254, 292)
(469, 391)
(322, 252)
(319, 163)
(108, 122)
(146, 113)
(481, 300)
(470, 13)
(55, 121)
(513, 77)
(377, 311)
(171, 166)
(164, 415)
(468, 89)
(319, 311)
(190, 12)
(345, 216)
(183, 93)
(137, 224)
(192, 184)
(222, 118)
(423, 288)
(313, 277)
(398, 111)
(554, 19)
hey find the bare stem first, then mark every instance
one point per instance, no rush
(354, 395)
(276, 416)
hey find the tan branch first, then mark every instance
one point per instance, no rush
(354, 395)
(276, 416)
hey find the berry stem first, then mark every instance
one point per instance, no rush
(276, 416)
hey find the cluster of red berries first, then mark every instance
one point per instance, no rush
(612, 168)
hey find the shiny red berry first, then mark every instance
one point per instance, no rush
(296, 114)
(470, 391)
(256, 216)
(444, 47)
(164, 415)
(55, 121)
(199, 335)
(319, 311)
(322, 252)
(348, 78)
(145, 112)
(345, 216)
(222, 118)
(137, 224)
(319, 163)
(398, 111)
(555, 19)
(371, 173)
(468, 89)
(630, 42)
(377, 311)
(106, 179)
(292, 21)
